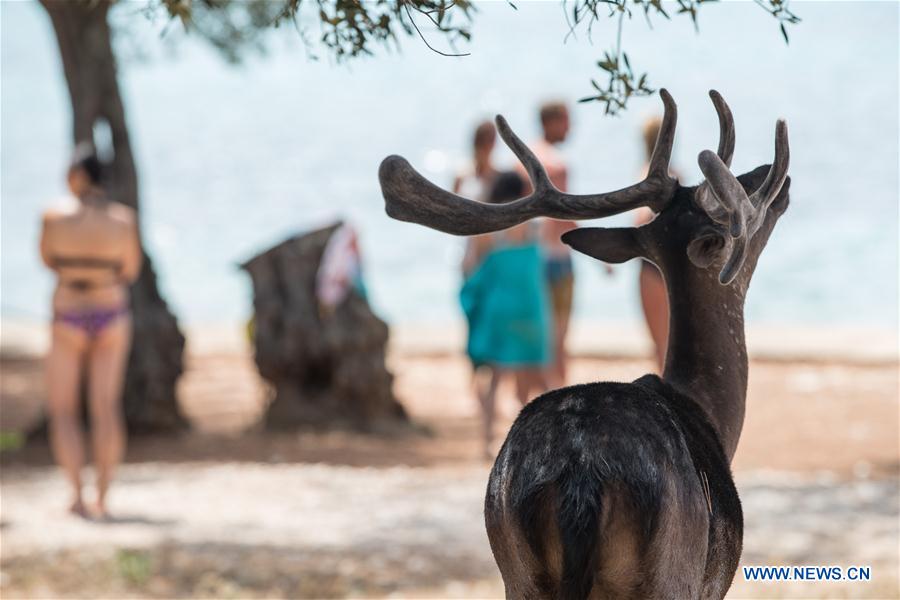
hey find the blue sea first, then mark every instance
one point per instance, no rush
(232, 159)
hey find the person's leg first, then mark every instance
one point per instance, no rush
(656, 310)
(524, 384)
(552, 369)
(528, 380)
(562, 311)
(64, 363)
(482, 376)
(541, 384)
(487, 397)
(106, 372)
(521, 381)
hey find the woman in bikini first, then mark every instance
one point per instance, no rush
(92, 245)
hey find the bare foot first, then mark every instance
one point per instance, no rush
(79, 509)
(100, 512)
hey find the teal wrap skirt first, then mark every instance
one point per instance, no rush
(507, 307)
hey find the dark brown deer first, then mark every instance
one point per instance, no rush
(624, 490)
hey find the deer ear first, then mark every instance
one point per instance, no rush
(615, 245)
(705, 249)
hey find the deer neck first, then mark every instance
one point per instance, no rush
(707, 354)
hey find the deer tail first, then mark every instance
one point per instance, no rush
(578, 516)
(570, 504)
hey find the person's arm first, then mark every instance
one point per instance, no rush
(477, 246)
(643, 216)
(468, 261)
(134, 255)
(559, 176)
(46, 256)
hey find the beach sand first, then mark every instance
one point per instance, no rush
(228, 511)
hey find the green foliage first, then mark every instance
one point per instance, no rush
(351, 28)
(779, 9)
(621, 85)
(11, 440)
(622, 82)
(346, 28)
(134, 566)
(231, 26)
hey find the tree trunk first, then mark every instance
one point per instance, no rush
(327, 369)
(89, 65)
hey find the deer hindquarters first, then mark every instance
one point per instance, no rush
(598, 493)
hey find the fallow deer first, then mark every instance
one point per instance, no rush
(624, 490)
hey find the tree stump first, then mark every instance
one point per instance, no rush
(327, 370)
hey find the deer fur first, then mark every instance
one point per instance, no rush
(624, 490)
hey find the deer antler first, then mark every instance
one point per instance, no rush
(411, 197)
(745, 215)
(719, 210)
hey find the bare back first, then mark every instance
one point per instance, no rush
(95, 251)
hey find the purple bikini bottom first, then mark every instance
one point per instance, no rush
(91, 321)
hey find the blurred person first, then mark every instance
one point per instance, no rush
(559, 273)
(475, 181)
(508, 312)
(92, 245)
(654, 300)
(340, 270)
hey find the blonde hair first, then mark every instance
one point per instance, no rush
(650, 132)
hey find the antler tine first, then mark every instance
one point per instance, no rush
(721, 209)
(768, 191)
(540, 181)
(726, 127)
(726, 189)
(662, 150)
(749, 212)
(411, 197)
(725, 186)
(735, 260)
(723, 183)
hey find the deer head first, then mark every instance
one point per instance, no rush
(722, 224)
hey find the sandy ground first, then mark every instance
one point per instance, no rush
(227, 511)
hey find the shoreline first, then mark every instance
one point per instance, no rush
(27, 338)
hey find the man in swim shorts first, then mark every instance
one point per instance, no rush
(558, 267)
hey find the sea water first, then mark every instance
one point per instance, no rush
(232, 159)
